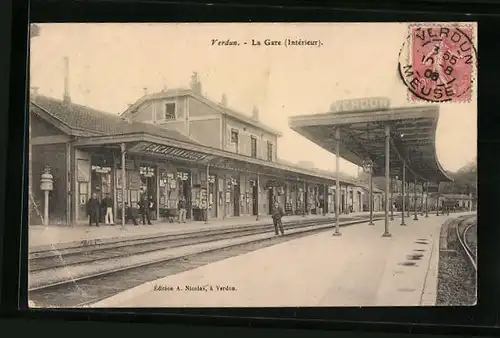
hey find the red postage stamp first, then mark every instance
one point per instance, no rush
(438, 62)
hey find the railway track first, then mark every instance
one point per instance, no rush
(50, 259)
(466, 231)
(94, 284)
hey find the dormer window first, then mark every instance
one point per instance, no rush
(169, 111)
(234, 136)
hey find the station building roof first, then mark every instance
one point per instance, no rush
(95, 129)
(413, 133)
(178, 92)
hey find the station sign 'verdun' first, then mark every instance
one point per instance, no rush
(363, 104)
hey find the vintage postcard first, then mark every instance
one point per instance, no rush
(253, 165)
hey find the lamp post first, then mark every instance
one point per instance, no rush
(368, 168)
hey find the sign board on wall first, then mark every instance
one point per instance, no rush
(170, 152)
(362, 104)
(432, 188)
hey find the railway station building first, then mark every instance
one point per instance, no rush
(170, 144)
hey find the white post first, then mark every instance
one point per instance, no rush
(46, 185)
(46, 211)
(470, 202)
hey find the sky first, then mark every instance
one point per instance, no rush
(111, 64)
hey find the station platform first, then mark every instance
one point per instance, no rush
(359, 268)
(43, 238)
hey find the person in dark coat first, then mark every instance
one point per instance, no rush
(152, 208)
(144, 210)
(130, 214)
(277, 214)
(93, 207)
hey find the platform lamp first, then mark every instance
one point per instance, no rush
(368, 168)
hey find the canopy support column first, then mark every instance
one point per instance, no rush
(124, 210)
(208, 193)
(422, 212)
(337, 182)
(426, 199)
(191, 196)
(437, 201)
(387, 179)
(325, 199)
(370, 178)
(403, 197)
(415, 217)
(409, 199)
(257, 197)
(157, 204)
(392, 203)
(304, 200)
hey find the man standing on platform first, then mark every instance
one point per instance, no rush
(144, 209)
(277, 214)
(321, 205)
(181, 207)
(107, 205)
(93, 207)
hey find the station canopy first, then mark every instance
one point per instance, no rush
(362, 122)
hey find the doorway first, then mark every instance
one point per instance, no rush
(148, 187)
(255, 199)
(101, 186)
(185, 189)
(236, 200)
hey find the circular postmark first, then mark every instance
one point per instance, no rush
(437, 62)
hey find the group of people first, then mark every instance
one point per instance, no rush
(145, 205)
(96, 207)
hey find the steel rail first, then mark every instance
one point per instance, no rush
(462, 238)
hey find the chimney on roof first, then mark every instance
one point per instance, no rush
(255, 113)
(145, 90)
(66, 96)
(195, 84)
(223, 100)
(33, 91)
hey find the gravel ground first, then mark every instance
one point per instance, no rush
(457, 280)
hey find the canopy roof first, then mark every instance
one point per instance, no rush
(413, 132)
